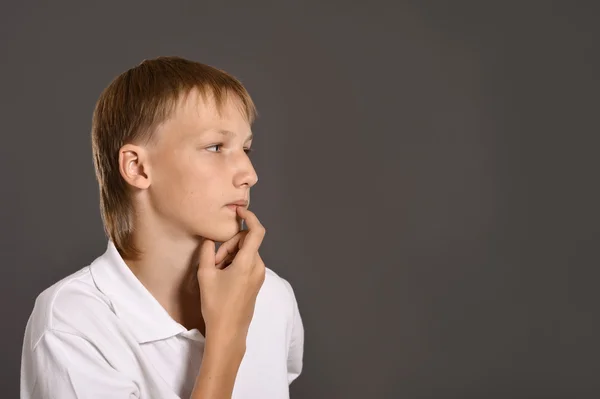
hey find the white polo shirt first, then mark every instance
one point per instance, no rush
(99, 333)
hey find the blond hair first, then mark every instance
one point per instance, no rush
(129, 110)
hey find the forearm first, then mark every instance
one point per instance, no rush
(220, 364)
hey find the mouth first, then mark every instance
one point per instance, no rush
(234, 205)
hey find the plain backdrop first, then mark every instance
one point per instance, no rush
(428, 177)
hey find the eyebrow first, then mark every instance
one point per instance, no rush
(230, 133)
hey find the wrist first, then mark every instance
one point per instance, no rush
(225, 344)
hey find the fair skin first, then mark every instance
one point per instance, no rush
(181, 182)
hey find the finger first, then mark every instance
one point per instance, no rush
(229, 247)
(253, 239)
(207, 254)
(229, 258)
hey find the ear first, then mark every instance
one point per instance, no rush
(134, 165)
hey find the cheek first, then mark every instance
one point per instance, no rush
(190, 184)
(178, 171)
(173, 182)
(203, 188)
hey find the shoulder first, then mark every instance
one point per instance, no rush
(278, 286)
(71, 305)
(285, 300)
(276, 297)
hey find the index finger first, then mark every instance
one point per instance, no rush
(254, 238)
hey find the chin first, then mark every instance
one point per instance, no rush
(224, 233)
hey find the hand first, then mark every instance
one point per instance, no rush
(228, 292)
(229, 249)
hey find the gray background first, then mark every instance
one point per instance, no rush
(428, 178)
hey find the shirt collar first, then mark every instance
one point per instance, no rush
(132, 302)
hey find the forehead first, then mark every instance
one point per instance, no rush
(194, 114)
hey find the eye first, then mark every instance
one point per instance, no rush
(246, 150)
(215, 145)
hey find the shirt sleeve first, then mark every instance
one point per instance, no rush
(66, 366)
(296, 347)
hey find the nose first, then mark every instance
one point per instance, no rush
(246, 175)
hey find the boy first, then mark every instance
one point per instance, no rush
(163, 313)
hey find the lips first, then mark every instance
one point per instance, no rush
(241, 202)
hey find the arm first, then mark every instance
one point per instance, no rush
(296, 346)
(219, 369)
(228, 298)
(221, 360)
(67, 366)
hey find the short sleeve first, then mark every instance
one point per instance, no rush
(66, 366)
(296, 347)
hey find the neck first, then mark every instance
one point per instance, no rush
(168, 268)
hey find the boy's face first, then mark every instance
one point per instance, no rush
(195, 171)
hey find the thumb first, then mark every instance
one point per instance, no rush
(207, 254)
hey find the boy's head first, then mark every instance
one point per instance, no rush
(170, 139)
